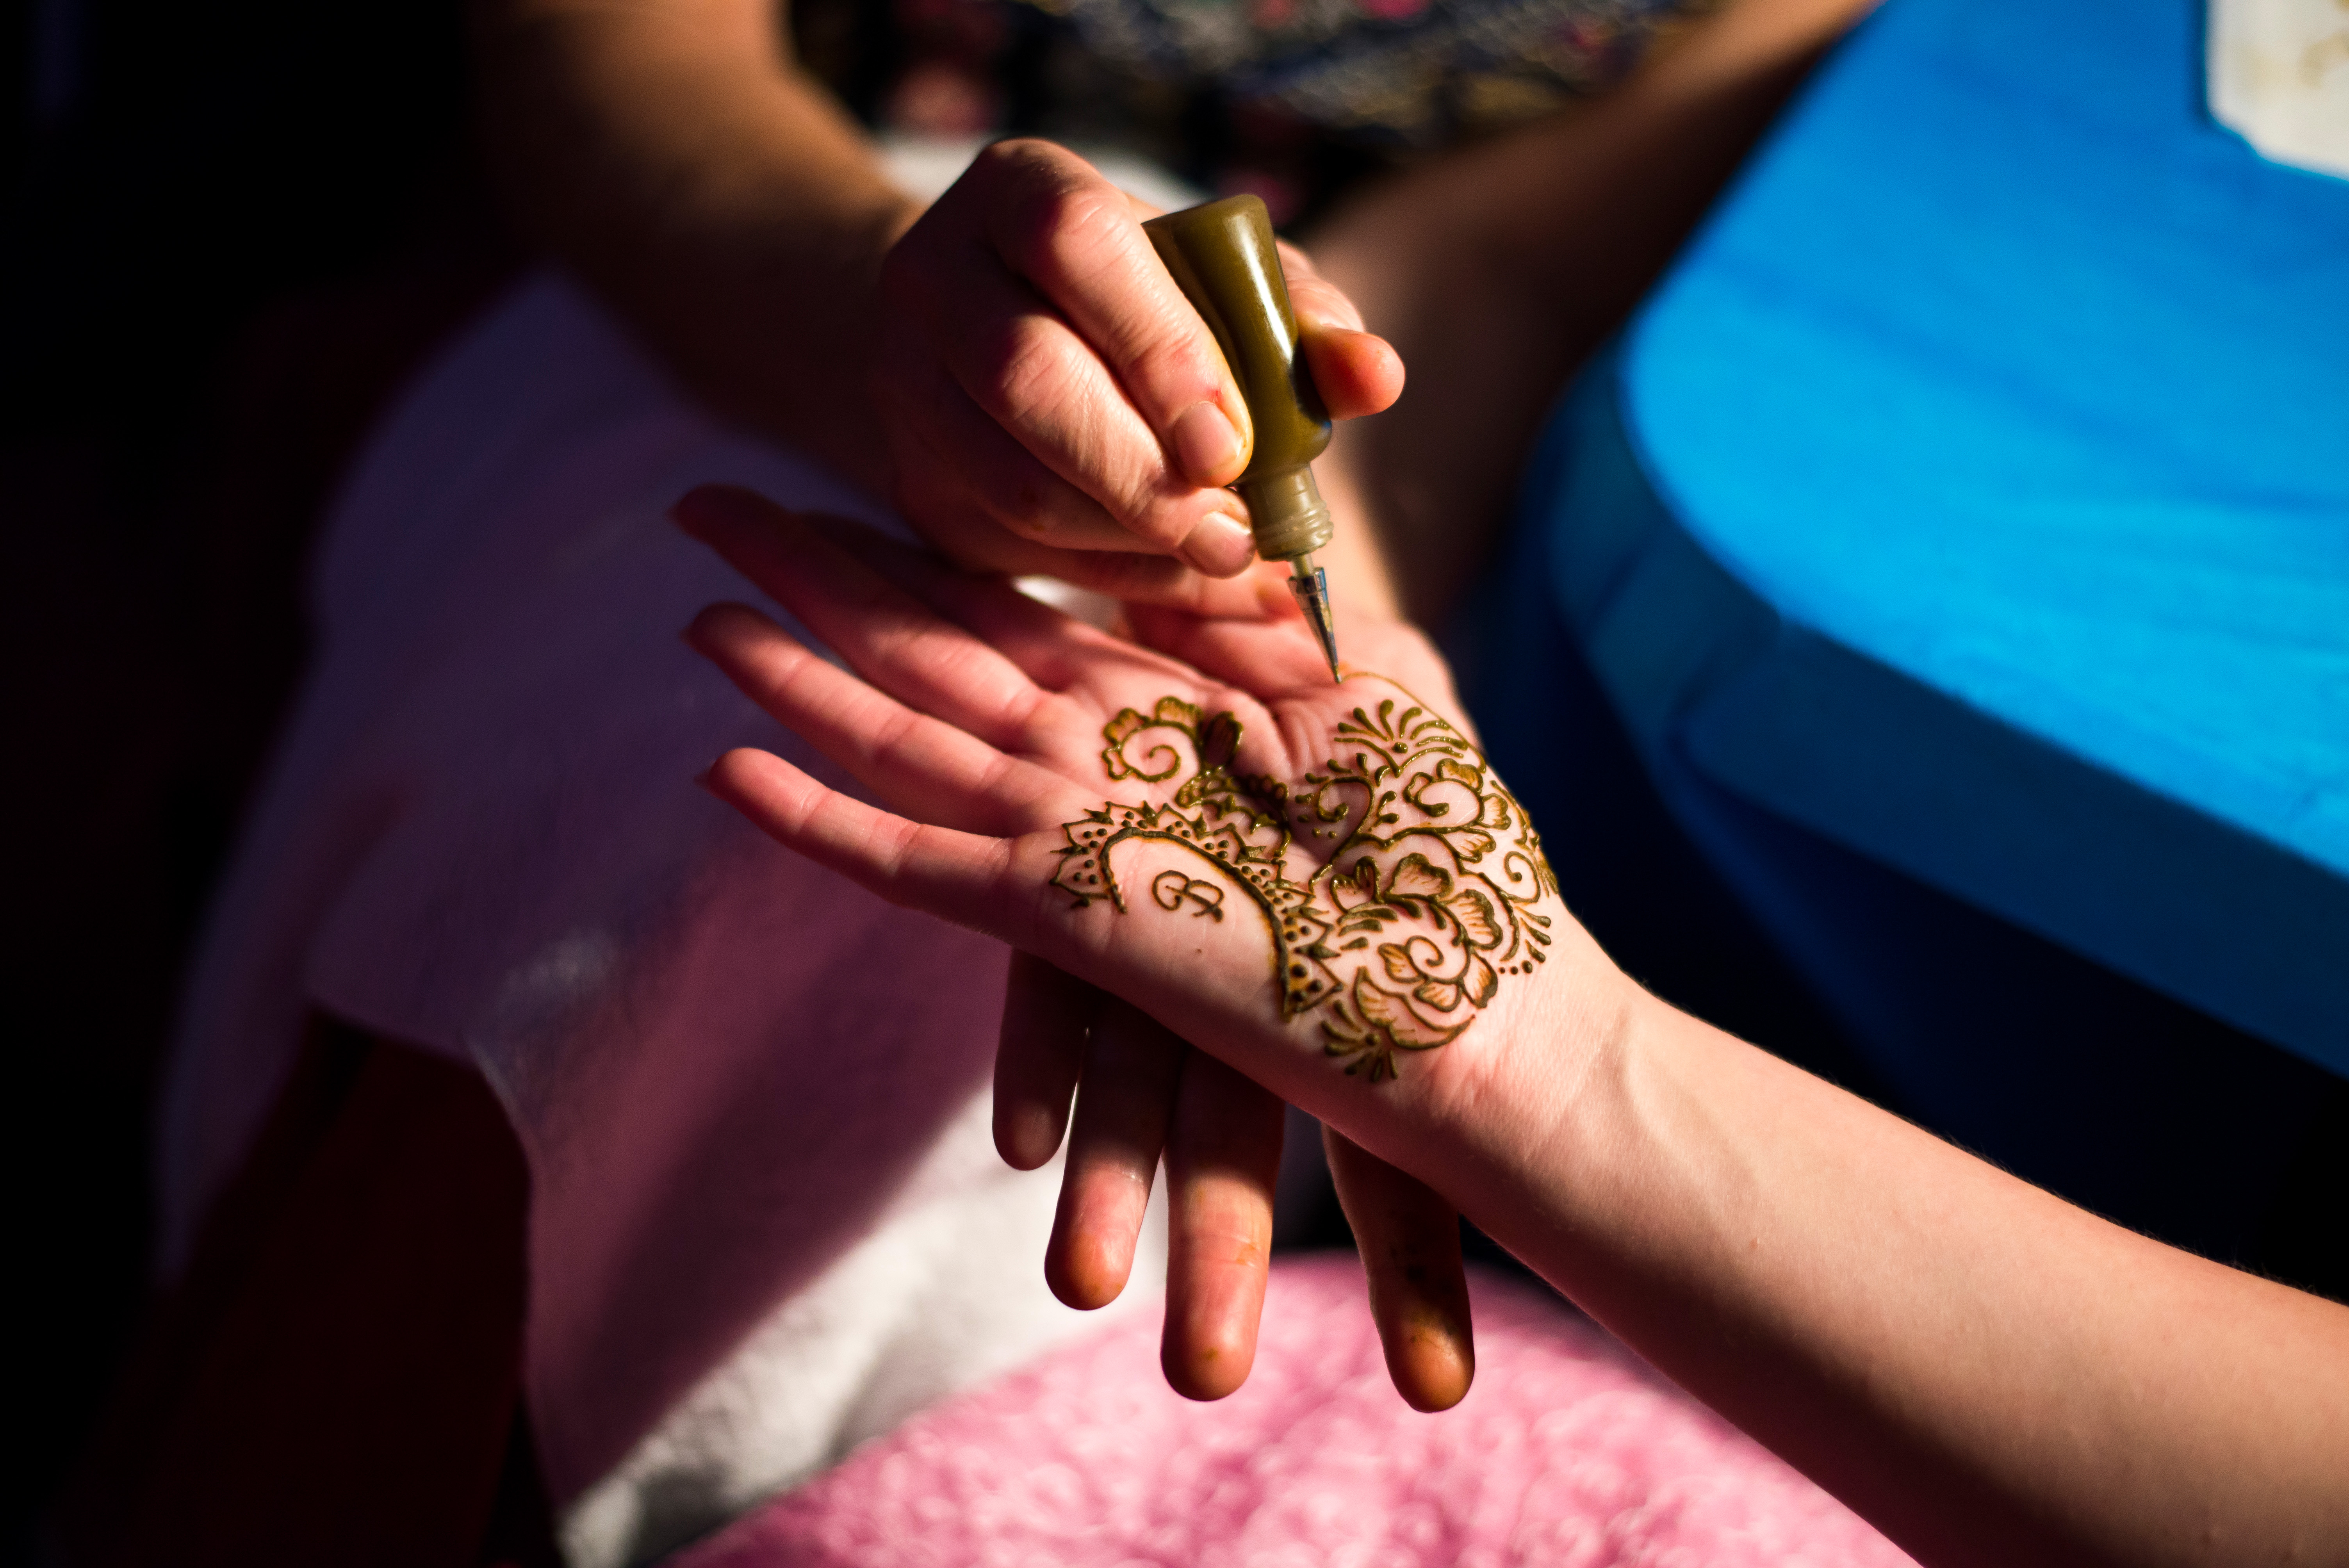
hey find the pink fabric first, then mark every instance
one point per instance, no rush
(1570, 1453)
(746, 1087)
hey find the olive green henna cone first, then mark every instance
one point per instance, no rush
(1404, 931)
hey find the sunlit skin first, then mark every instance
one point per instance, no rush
(1013, 370)
(1398, 887)
(1040, 377)
(1986, 1373)
(1140, 1093)
(1009, 369)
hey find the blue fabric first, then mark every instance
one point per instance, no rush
(2132, 1104)
(1997, 429)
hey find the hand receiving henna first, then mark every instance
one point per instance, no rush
(1313, 882)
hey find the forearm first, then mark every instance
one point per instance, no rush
(1989, 1374)
(720, 200)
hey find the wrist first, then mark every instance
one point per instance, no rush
(1481, 1117)
(1538, 1066)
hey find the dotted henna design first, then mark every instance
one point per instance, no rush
(1402, 934)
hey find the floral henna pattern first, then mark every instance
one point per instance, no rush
(1400, 936)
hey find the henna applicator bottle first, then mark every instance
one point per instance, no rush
(1223, 259)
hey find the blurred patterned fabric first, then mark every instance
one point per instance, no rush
(1286, 98)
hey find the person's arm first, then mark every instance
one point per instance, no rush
(672, 156)
(1012, 367)
(1988, 1374)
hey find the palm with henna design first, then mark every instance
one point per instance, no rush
(981, 716)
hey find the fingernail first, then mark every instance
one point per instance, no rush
(1206, 445)
(1220, 546)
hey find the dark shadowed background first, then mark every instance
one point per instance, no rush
(229, 230)
(227, 233)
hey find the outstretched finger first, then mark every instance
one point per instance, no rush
(915, 762)
(887, 636)
(1272, 655)
(1123, 1102)
(1158, 580)
(1053, 649)
(1223, 1160)
(954, 875)
(1048, 1015)
(1409, 1237)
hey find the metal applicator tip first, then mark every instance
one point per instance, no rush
(1311, 586)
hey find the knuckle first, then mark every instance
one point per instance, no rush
(1158, 523)
(1026, 514)
(1023, 370)
(1176, 365)
(1058, 230)
(1022, 499)
(1014, 156)
(1032, 505)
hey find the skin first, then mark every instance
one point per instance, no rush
(1011, 365)
(1014, 369)
(1988, 1374)
(1141, 1093)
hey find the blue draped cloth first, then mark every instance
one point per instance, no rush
(1968, 512)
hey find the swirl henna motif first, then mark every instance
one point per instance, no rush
(1402, 933)
(1171, 890)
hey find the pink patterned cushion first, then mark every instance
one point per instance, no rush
(1569, 1453)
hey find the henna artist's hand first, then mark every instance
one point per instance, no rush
(1313, 881)
(1052, 402)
